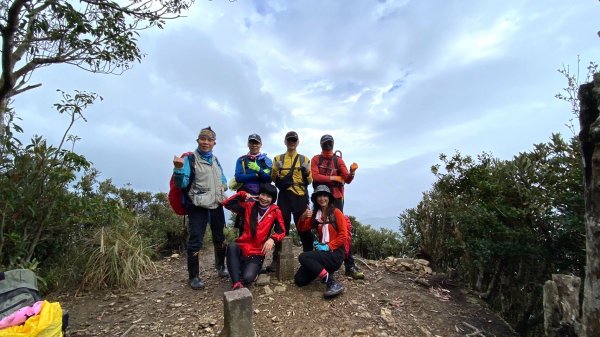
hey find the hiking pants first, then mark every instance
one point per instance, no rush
(198, 218)
(313, 262)
(240, 267)
(292, 204)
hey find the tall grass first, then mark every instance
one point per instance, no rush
(118, 258)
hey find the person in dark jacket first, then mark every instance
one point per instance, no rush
(329, 251)
(262, 217)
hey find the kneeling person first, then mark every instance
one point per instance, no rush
(329, 252)
(245, 256)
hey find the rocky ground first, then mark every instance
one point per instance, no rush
(387, 303)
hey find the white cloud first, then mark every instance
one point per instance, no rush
(395, 82)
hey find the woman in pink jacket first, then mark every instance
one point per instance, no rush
(245, 256)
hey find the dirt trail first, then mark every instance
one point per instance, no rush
(385, 304)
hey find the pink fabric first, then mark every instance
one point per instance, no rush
(20, 316)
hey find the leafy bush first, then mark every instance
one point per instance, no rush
(505, 226)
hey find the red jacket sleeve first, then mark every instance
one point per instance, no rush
(342, 231)
(343, 172)
(236, 202)
(279, 230)
(304, 225)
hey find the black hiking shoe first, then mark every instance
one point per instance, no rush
(333, 289)
(222, 271)
(196, 283)
(272, 268)
(355, 273)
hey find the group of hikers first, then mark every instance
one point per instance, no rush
(263, 215)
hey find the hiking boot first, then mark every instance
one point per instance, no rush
(355, 273)
(237, 285)
(222, 271)
(333, 289)
(196, 283)
(272, 268)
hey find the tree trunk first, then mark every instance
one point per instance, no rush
(589, 97)
(561, 306)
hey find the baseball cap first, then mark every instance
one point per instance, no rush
(291, 134)
(255, 137)
(326, 138)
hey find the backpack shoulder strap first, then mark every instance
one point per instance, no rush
(294, 162)
(244, 163)
(332, 221)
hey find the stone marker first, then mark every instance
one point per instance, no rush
(287, 262)
(238, 314)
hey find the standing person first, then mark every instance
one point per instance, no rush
(251, 170)
(329, 251)
(202, 175)
(246, 255)
(330, 170)
(291, 174)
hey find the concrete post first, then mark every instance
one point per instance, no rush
(287, 261)
(238, 314)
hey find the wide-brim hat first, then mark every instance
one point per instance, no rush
(320, 190)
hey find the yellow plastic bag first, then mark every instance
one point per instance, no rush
(48, 323)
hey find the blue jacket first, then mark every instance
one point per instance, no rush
(250, 178)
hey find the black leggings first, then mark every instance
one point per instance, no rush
(313, 262)
(242, 268)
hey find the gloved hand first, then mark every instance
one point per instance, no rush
(322, 247)
(253, 166)
(337, 179)
(315, 244)
(267, 171)
(353, 167)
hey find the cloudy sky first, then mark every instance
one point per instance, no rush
(395, 82)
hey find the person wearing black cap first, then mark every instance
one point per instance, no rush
(291, 174)
(201, 176)
(251, 170)
(246, 255)
(328, 255)
(330, 170)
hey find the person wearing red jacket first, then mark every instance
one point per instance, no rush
(330, 170)
(328, 253)
(245, 256)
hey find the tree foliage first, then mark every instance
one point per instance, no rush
(53, 207)
(96, 35)
(505, 225)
